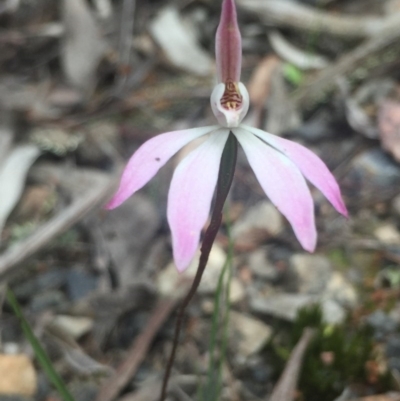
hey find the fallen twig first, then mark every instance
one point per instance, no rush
(286, 386)
(294, 15)
(150, 390)
(358, 63)
(290, 53)
(138, 351)
(101, 185)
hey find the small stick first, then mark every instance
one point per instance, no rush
(286, 386)
(369, 55)
(137, 352)
(101, 184)
(305, 18)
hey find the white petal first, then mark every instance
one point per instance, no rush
(149, 158)
(190, 196)
(313, 168)
(283, 183)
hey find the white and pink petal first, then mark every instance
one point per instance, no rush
(284, 185)
(312, 167)
(149, 158)
(190, 195)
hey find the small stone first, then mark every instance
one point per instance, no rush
(75, 326)
(313, 273)
(11, 348)
(393, 347)
(168, 280)
(261, 266)
(387, 234)
(236, 294)
(332, 312)
(261, 221)
(83, 391)
(341, 290)
(396, 205)
(49, 280)
(286, 307)
(80, 284)
(248, 335)
(48, 300)
(394, 314)
(382, 323)
(207, 306)
(394, 364)
(372, 177)
(236, 291)
(17, 375)
(283, 306)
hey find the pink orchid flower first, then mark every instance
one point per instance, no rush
(280, 165)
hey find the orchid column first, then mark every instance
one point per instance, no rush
(229, 99)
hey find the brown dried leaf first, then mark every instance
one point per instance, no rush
(179, 43)
(301, 59)
(285, 389)
(260, 82)
(83, 46)
(389, 127)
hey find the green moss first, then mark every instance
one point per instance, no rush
(19, 232)
(336, 357)
(339, 258)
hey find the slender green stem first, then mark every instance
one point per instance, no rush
(40, 353)
(225, 177)
(210, 389)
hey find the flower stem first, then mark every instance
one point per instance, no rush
(225, 177)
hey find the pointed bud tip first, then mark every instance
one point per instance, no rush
(228, 44)
(228, 12)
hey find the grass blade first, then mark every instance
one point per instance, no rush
(38, 349)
